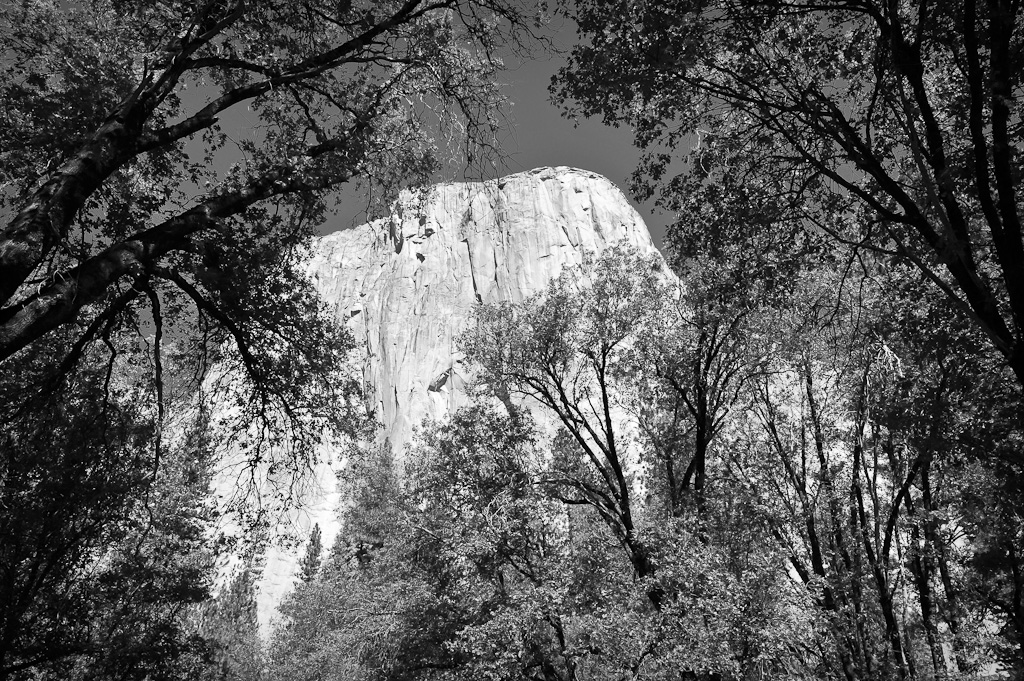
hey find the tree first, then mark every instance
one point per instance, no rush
(879, 141)
(622, 343)
(103, 552)
(689, 365)
(140, 278)
(622, 340)
(886, 126)
(869, 445)
(445, 574)
(228, 623)
(839, 523)
(471, 568)
(855, 436)
(111, 194)
(310, 563)
(562, 348)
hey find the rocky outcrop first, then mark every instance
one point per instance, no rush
(406, 286)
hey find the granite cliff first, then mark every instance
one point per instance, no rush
(406, 286)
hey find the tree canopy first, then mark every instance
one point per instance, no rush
(888, 126)
(112, 128)
(685, 486)
(152, 262)
(792, 450)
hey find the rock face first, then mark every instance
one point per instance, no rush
(406, 286)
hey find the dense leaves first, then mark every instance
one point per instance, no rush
(116, 196)
(887, 126)
(164, 167)
(854, 168)
(102, 547)
(854, 514)
(801, 459)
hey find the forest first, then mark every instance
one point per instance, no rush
(791, 448)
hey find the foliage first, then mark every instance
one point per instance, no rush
(228, 624)
(562, 349)
(310, 563)
(641, 371)
(837, 532)
(115, 205)
(460, 573)
(887, 126)
(102, 549)
(852, 167)
(152, 263)
(504, 552)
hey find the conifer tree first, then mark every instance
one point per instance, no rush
(310, 565)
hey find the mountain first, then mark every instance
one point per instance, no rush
(406, 286)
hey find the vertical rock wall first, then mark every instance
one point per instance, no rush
(406, 286)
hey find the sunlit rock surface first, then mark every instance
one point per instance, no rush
(406, 286)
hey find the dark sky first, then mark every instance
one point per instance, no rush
(542, 137)
(538, 135)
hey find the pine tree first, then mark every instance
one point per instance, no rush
(232, 626)
(310, 565)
